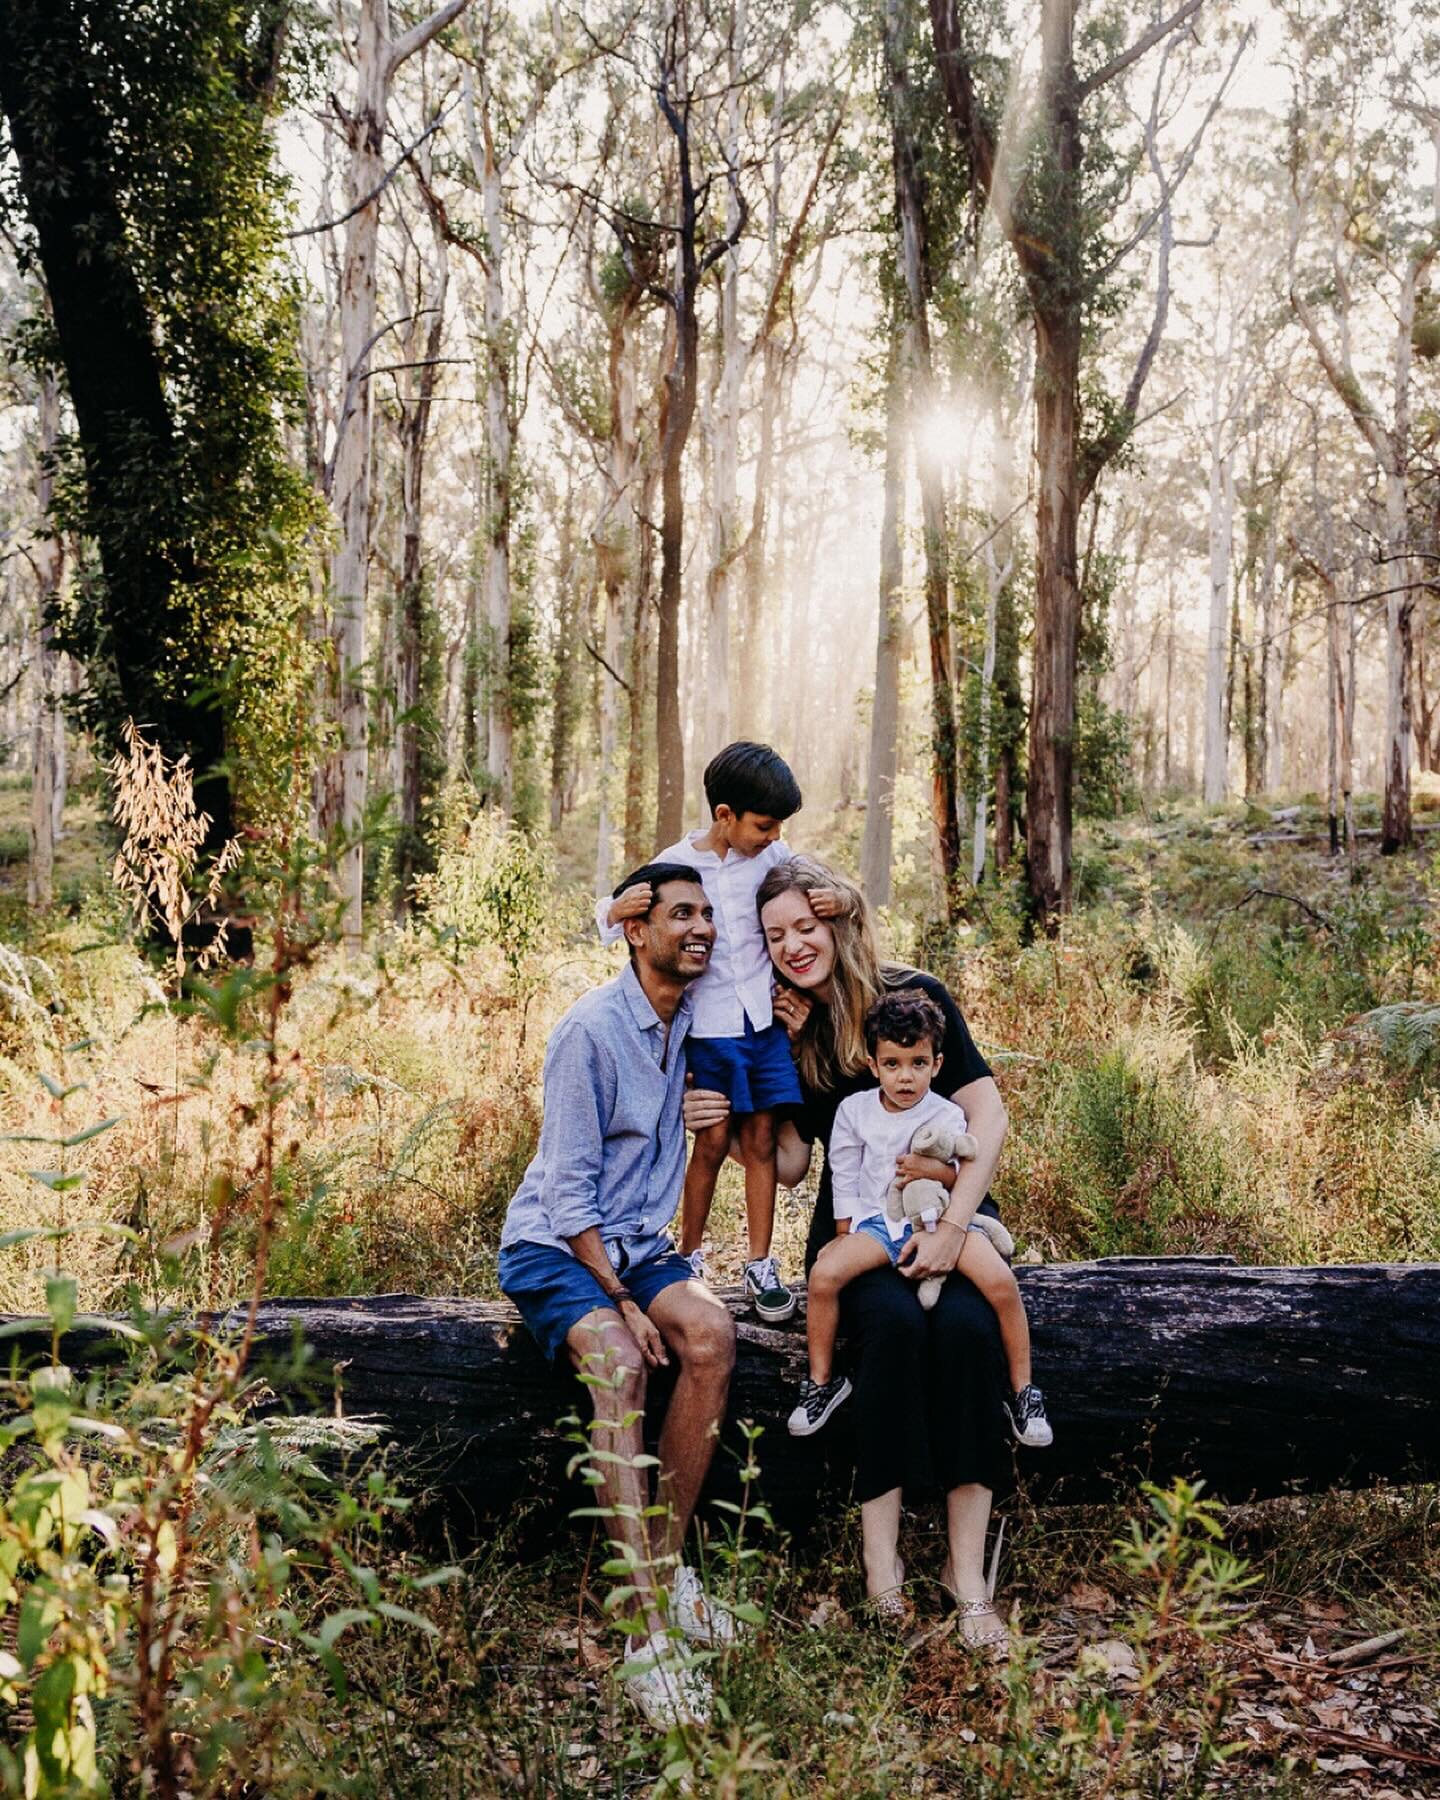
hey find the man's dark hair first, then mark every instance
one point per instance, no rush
(905, 1017)
(655, 875)
(752, 778)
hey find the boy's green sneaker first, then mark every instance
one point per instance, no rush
(773, 1302)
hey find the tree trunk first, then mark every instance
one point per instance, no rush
(413, 720)
(725, 541)
(47, 732)
(343, 790)
(676, 416)
(877, 849)
(915, 268)
(1222, 516)
(1396, 831)
(1260, 1380)
(1050, 783)
(66, 163)
(499, 454)
(637, 760)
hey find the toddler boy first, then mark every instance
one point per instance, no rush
(903, 1034)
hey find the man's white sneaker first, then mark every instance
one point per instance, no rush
(696, 1260)
(703, 1620)
(664, 1689)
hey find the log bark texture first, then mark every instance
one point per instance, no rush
(1261, 1380)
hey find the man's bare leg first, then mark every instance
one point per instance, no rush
(701, 1336)
(604, 1352)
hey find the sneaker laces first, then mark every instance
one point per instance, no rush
(1029, 1403)
(765, 1273)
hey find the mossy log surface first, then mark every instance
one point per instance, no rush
(1261, 1380)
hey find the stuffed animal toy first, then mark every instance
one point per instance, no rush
(922, 1202)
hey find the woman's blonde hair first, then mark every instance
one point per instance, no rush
(831, 1046)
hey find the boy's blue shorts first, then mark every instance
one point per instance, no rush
(756, 1072)
(553, 1292)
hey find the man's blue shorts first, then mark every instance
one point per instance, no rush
(553, 1292)
(756, 1072)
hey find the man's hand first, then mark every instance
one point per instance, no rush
(932, 1252)
(652, 1345)
(792, 1009)
(634, 903)
(827, 903)
(910, 1167)
(704, 1107)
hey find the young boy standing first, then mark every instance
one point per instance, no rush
(735, 1045)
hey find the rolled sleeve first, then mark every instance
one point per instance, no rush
(579, 1098)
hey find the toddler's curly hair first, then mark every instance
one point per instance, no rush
(904, 1017)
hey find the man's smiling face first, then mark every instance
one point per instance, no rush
(678, 933)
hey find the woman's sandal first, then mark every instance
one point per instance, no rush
(994, 1643)
(891, 1609)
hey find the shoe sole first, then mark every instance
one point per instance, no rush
(1028, 1443)
(773, 1315)
(806, 1429)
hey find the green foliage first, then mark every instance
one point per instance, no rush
(1104, 761)
(186, 93)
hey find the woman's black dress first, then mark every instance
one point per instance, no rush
(929, 1387)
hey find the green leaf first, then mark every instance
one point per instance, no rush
(57, 1091)
(32, 1630)
(62, 1296)
(57, 1180)
(90, 1131)
(9, 1239)
(341, 1621)
(387, 1609)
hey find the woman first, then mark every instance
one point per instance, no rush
(929, 1387)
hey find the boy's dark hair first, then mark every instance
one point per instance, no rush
(904, 1017)
(752, 778)
(656, 874)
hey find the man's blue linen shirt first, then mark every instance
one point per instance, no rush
(612, 1141)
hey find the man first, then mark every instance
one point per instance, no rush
(586, 1257)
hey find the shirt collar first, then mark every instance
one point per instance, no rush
(641, 1011)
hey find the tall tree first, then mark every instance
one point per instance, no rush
(142, 141)
(1383, 235)
(1045, 199)
(379, 55)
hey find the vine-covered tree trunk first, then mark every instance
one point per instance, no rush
(67, 166)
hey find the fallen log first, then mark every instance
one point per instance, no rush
(1261, 1380)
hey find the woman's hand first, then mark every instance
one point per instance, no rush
(910, 1167)
(792, 1009)
(704, 1107)
(932, 1252)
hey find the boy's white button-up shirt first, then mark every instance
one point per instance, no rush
(737, 984)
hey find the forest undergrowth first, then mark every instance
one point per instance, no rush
(1231, 1048)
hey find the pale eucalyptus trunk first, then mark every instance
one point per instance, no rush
(877, 849)
(1222, 520)
(47, 733)
(343, 782)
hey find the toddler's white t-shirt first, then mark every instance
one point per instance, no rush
(865, 1141)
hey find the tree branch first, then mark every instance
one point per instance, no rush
(418, 36)
(1146, 42)
(379, 189)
